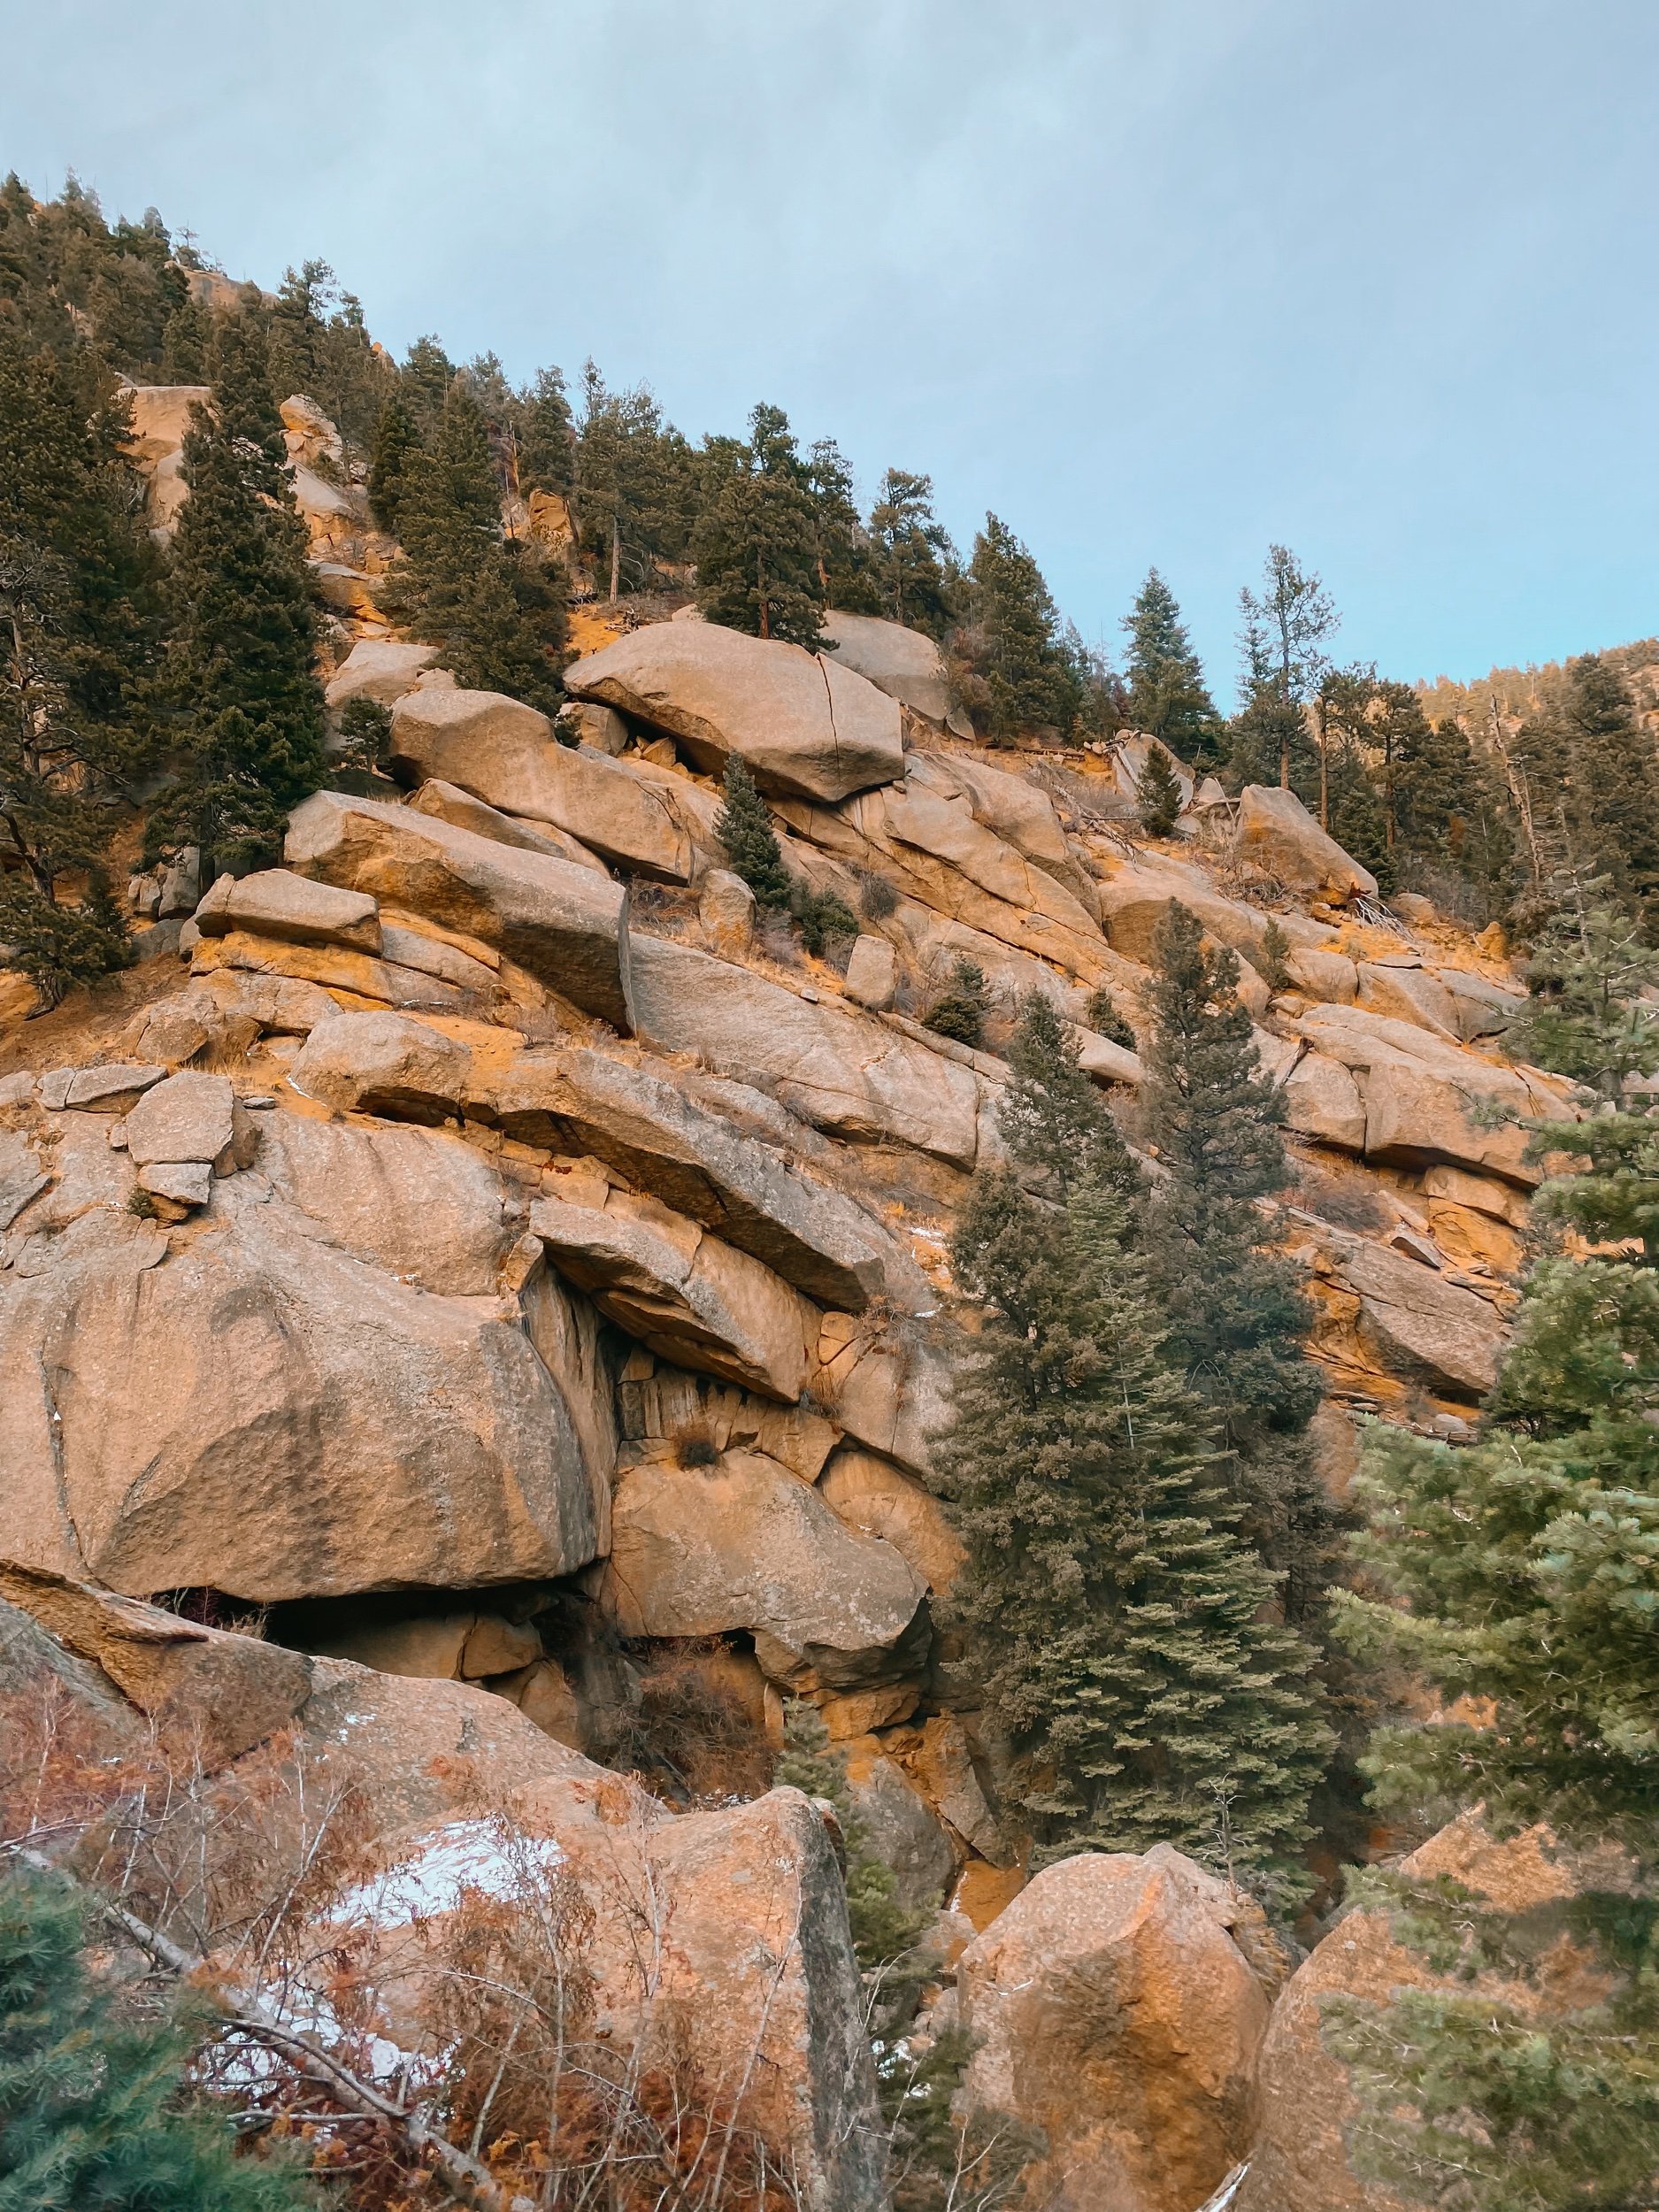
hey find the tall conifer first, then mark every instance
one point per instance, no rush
(1168, 696)
(757, 540)
(241, 676)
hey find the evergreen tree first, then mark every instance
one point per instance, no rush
(424, 384)
(1521, 1577)
(495, 608)
(632, 487)
(1058, 1129)
(546, 436)
(960, 1010)
(240, 677)
(908, 549)
(80, 606)
(1614, 807)
(1585, 1015)
(1237, 1318)
(744, 829)
(1026, 680)
(1168, 696)
(395, 438)
(1158, 794)
(1115, 1616)
(841, 553)
(1282, 635)
(757, 540)
(94, 2116)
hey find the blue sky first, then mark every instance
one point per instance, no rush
(1158, 280)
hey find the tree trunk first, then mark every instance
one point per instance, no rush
(615, 556)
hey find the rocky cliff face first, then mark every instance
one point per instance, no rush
(486, 1247)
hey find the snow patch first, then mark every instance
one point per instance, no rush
(462, 1855)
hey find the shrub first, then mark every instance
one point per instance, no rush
(877, 898)
(744, 827)
(1272, 961)
(820, 915)
(960, 1010)
(1105, 1020)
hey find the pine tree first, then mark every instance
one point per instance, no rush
(1521, 1577)
(93, 2109)
(1115, 1615)
(395, 438)
(756, 543)
(1168, 696)
(80, 610)
(1585, 1016)
(1282, 634)
(744, 829)
(631, 492)
(1158, 794)
(1026, 679)
(1614, 803)
(547, 438)
(1237, 1319)
(1057, 1127)
(841, 553)
(497, 611)
(908, 549)
(960, 1010)
(240, 677)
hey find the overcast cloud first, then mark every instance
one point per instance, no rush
(1158, 280)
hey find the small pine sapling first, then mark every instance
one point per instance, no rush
(1158, 794)
(744, 827)
(960, 1010)
(1272, 961)
(1105, 1020)
(819, 917)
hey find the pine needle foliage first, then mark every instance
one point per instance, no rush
(757, 542)
(1055, 1124)
(241, 676)
(1116, 1614)
(93, 2113)
(744, 829)
(1168, 696)
(1236, 1318)
(1158, 794)
(960, 1010)
(1520, 1578)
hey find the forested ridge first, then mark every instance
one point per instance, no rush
(1174, 1630)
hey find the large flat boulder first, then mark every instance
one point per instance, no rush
(696, 1161)
(185, 1116)
(844, 1072)
(564, 925)
(748, 1544)
(275, 903)
(878, 1498)
(803, 724)
(1277, 834)
(379, 668)
(506, 754)
(682, 1292)
(905, 664)
(260, 1413)
(382, 1063)
(1118, 2004)
(450, 803)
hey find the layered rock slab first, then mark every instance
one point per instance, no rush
(564, 925)
(803, 725)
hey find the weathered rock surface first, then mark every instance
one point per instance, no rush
(695, 1161)
(803, 724)
(888, 1386)
(506, 754)
(903, 1832)
(842, 1071)
(262, 1415)
(382, 1063)
(447, 803)
(877, 1499)
(160, 415)
(1412, 1320)
(725, 908)
(564, 925)
(379, 668)
(1277, 832)
(1321, 1100)
(1119, 2004)
(905, 664)
(748, 1544)
(185, 1117)
(275, 903)
(681, 1291)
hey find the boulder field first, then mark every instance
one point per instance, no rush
(488, 1251)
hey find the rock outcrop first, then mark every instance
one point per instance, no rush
(1118, 2005)
(803, 724)
(905, 664)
